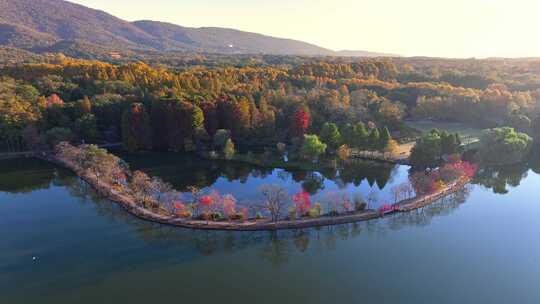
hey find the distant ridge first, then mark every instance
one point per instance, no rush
(352, 53)
(44, 25)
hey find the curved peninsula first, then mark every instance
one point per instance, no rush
(126, 200)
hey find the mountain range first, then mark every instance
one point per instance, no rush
(56, 25)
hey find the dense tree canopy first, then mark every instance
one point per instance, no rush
(313, 147)
(262, 103)
(431, 147)
(501, 146)
(330, 135)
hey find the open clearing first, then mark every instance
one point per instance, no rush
(468, 133)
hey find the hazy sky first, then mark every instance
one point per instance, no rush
(452, 28)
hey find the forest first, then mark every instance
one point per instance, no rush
(324, 102)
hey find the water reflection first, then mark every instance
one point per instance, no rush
(24, 175)
(30, 175)
(184, 170)
(500, 179)
(275, 246)
(88, 247)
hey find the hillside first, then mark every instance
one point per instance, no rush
(44, 25)
(355, 53)
(222, 40)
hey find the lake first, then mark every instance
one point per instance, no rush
(61, 243)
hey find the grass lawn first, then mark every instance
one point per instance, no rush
(464, 131)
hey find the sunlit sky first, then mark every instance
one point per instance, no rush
(451, 28)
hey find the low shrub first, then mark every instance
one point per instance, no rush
(316, 211)
(292, 213)
(360, 206)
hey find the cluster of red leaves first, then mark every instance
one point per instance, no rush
(301, 121)
(423, 182)
(469, 170)
(181, 209)
(302, 202)
(386, 208)
(430, 182)
(455, 170)
(214, 202)
(54, 100)
(206, 201)
(179, 206)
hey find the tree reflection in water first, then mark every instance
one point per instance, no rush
(25, 175)
(500, 179)
(184, 170)
(275, 246)
(423, 216)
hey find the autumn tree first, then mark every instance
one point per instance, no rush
(142, 187)
(344, 152)
(241, 121)
(228, 149)
(98, 161)
(392, 148)
(300, 122)
(136, 128)
(85, 106)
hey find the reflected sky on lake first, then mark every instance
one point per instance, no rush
(479, 241)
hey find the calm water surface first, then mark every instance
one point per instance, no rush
(60, 243)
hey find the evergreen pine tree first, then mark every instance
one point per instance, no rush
(385, 137)
(374, 138)
(362, 136)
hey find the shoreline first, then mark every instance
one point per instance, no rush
(131, 207)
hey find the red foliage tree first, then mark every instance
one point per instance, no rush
(300, 122)
(206, 201)
(302, 202)
(423, 183)
(468, 169)
(179, 206)
(54, 100)
(386, 208)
